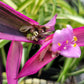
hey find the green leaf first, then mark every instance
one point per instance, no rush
(76, 72)
(26, 51)
(64, 5)
(76, 18)
(48, 65)
(66, 68)
(11, 3)
(3, 43)
(24, 5)
(3, 53)
(41, 17)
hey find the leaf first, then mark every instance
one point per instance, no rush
(11, 3)
(76, 18)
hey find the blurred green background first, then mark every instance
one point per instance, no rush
(69, 12)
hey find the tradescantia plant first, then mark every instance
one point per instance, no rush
(17, 27)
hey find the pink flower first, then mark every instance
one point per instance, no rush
(65, 42)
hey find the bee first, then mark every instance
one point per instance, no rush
(34, 32)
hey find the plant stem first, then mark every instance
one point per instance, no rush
(76, 72)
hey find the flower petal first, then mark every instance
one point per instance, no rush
(61, 36)
(13, 62)
(34, 64)
(71, 51)
(79, 33)
(51, 23)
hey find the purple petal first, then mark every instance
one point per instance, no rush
(34, 64)
(51, 23)
(79, 33)
(61, 36)
(71, 51)
(13, 62)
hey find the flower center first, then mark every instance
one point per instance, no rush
(66, 43)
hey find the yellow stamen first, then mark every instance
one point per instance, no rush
(59, 44)
(75, 38)
(67, 41)
(74, 45)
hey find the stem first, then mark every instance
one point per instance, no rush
(68, 61)
(3, 56)
(76, 72)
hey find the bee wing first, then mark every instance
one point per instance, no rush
(25, 28)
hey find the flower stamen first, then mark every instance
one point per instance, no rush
(67, 41)
(74, 45)
(59, 44)
(75, 38)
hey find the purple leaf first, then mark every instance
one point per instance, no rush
(13, 62)
(15, 15)
(17, 38)
(35, 63)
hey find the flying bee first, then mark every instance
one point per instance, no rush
(33, 32)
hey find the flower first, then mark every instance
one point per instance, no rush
(19, 28)
(65, 42)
